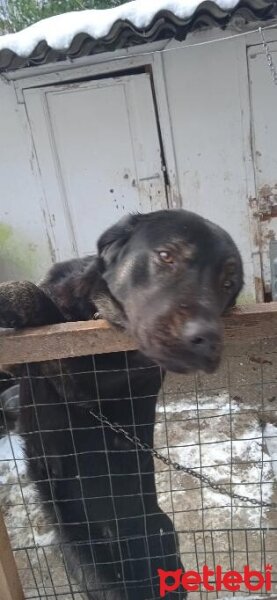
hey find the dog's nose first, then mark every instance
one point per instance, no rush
(202, 337)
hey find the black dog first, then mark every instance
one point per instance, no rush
(165, 277)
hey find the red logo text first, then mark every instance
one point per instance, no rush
(191, 581)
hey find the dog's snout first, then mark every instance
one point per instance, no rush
(203, 338)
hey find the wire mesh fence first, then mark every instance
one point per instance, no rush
(224, 426)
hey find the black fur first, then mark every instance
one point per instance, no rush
(99, 489)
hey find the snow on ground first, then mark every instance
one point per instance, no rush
(270, 435)
(206, 445)
(220, 402)
(228, 447)
(59, 31)
(19, 496)
(11, 452)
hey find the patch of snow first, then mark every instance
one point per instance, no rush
(60, 30)
(219, 402)
(44, 539)
(244, 462)
(19, 497)
(270, 437)
(12, 457)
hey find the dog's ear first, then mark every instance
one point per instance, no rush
(114, 238)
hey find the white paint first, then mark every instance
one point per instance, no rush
(99, 156)
(205, 106)
(59, 31)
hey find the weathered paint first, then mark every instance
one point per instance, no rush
(205, 102)
(264, 142)
(93, 141)
(245, 298)
(24, 251)
(267, 201)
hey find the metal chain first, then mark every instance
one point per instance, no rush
(269, 57)
(171, 463)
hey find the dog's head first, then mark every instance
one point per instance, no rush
(173, 274)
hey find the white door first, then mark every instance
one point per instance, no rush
(99, 156)
(263, 96)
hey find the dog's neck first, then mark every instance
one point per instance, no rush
(86, 296)
(95, 288)
(108, 308)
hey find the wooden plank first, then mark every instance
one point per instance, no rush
(61, 341)
(251, 322)
(257, 321)
(10, 585)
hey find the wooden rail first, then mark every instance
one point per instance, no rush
(244, 323)
(10, 586)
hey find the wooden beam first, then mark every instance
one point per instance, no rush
(10, 586)
(257, 321)
(251, 322)
(62, 340)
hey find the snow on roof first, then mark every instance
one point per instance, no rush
(59, 31)
(85, 32)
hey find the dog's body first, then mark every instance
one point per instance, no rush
(103, 487)
(162, 278)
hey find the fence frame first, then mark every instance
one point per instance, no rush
(10, 585)
(63, 340)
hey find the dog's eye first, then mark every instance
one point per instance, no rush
(228, 284)
(166, 257)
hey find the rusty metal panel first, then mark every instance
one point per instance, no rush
(99, 154)
(263, 94)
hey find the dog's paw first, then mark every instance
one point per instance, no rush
(23, 304)
(16, 303)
